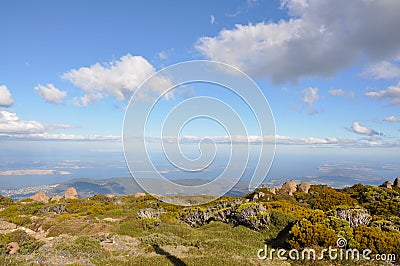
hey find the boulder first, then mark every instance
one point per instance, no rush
(261, 194)
(55, 198)
(71, 193)
(289, 187)
(397, 182)
(110, 196)
(140, 194)
(387, 184)
(304, 187)
(40, 197)
(12, 247)
(273, 190)
(148, 213)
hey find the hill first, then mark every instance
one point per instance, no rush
(233, 230)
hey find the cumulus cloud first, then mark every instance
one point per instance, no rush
(392, 119)
(392, 93)
(319, 38)
(362, 130)
(118, 79)
(309, 97)
(6, 99)
(382, 70)
(50, 93)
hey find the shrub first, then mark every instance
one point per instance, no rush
(306, 234)
(27, 244)
(82, 245)
(325, 198)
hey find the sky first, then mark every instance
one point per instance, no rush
(330, 71)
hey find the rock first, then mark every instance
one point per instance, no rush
(397, 182)
(304, 187)
(140, 194)
(55, 198)
(255, 196)
(355, 216)
(148, 213)
(110, 196)
(251, 215)
(289, 187)
(273, 190)
(40, 197)
(71, 193)
(387, 184)
(112, 220)
(13, 247)
(7, 226)
(261, 194)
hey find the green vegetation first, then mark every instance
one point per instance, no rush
(127, 230)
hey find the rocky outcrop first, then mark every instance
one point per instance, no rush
(251, 214)
(273, 190)
(355, 216)
(4, 226)
(140, 194)
(396, 182)
(289, 187)
(387, 184)
(55, 198)
(304, 187)
(12, 247)
(148, 213)
(40, 197)
(57, 209)
(71, 193)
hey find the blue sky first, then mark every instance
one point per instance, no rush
(329, 69)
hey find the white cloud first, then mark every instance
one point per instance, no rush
(34, 172)
(320, 38)
(382, 70)
(282, 140)
(6, 99)
(392, 93)
(309, 97)
(336, 92)
(11, 126)
(51, 94)
(212, 19)
(362, 130)
(163, 55)
(118, 79)
(341, 92)
(392, 119)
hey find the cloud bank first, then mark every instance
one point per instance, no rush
(34, 172)
(11, 126)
